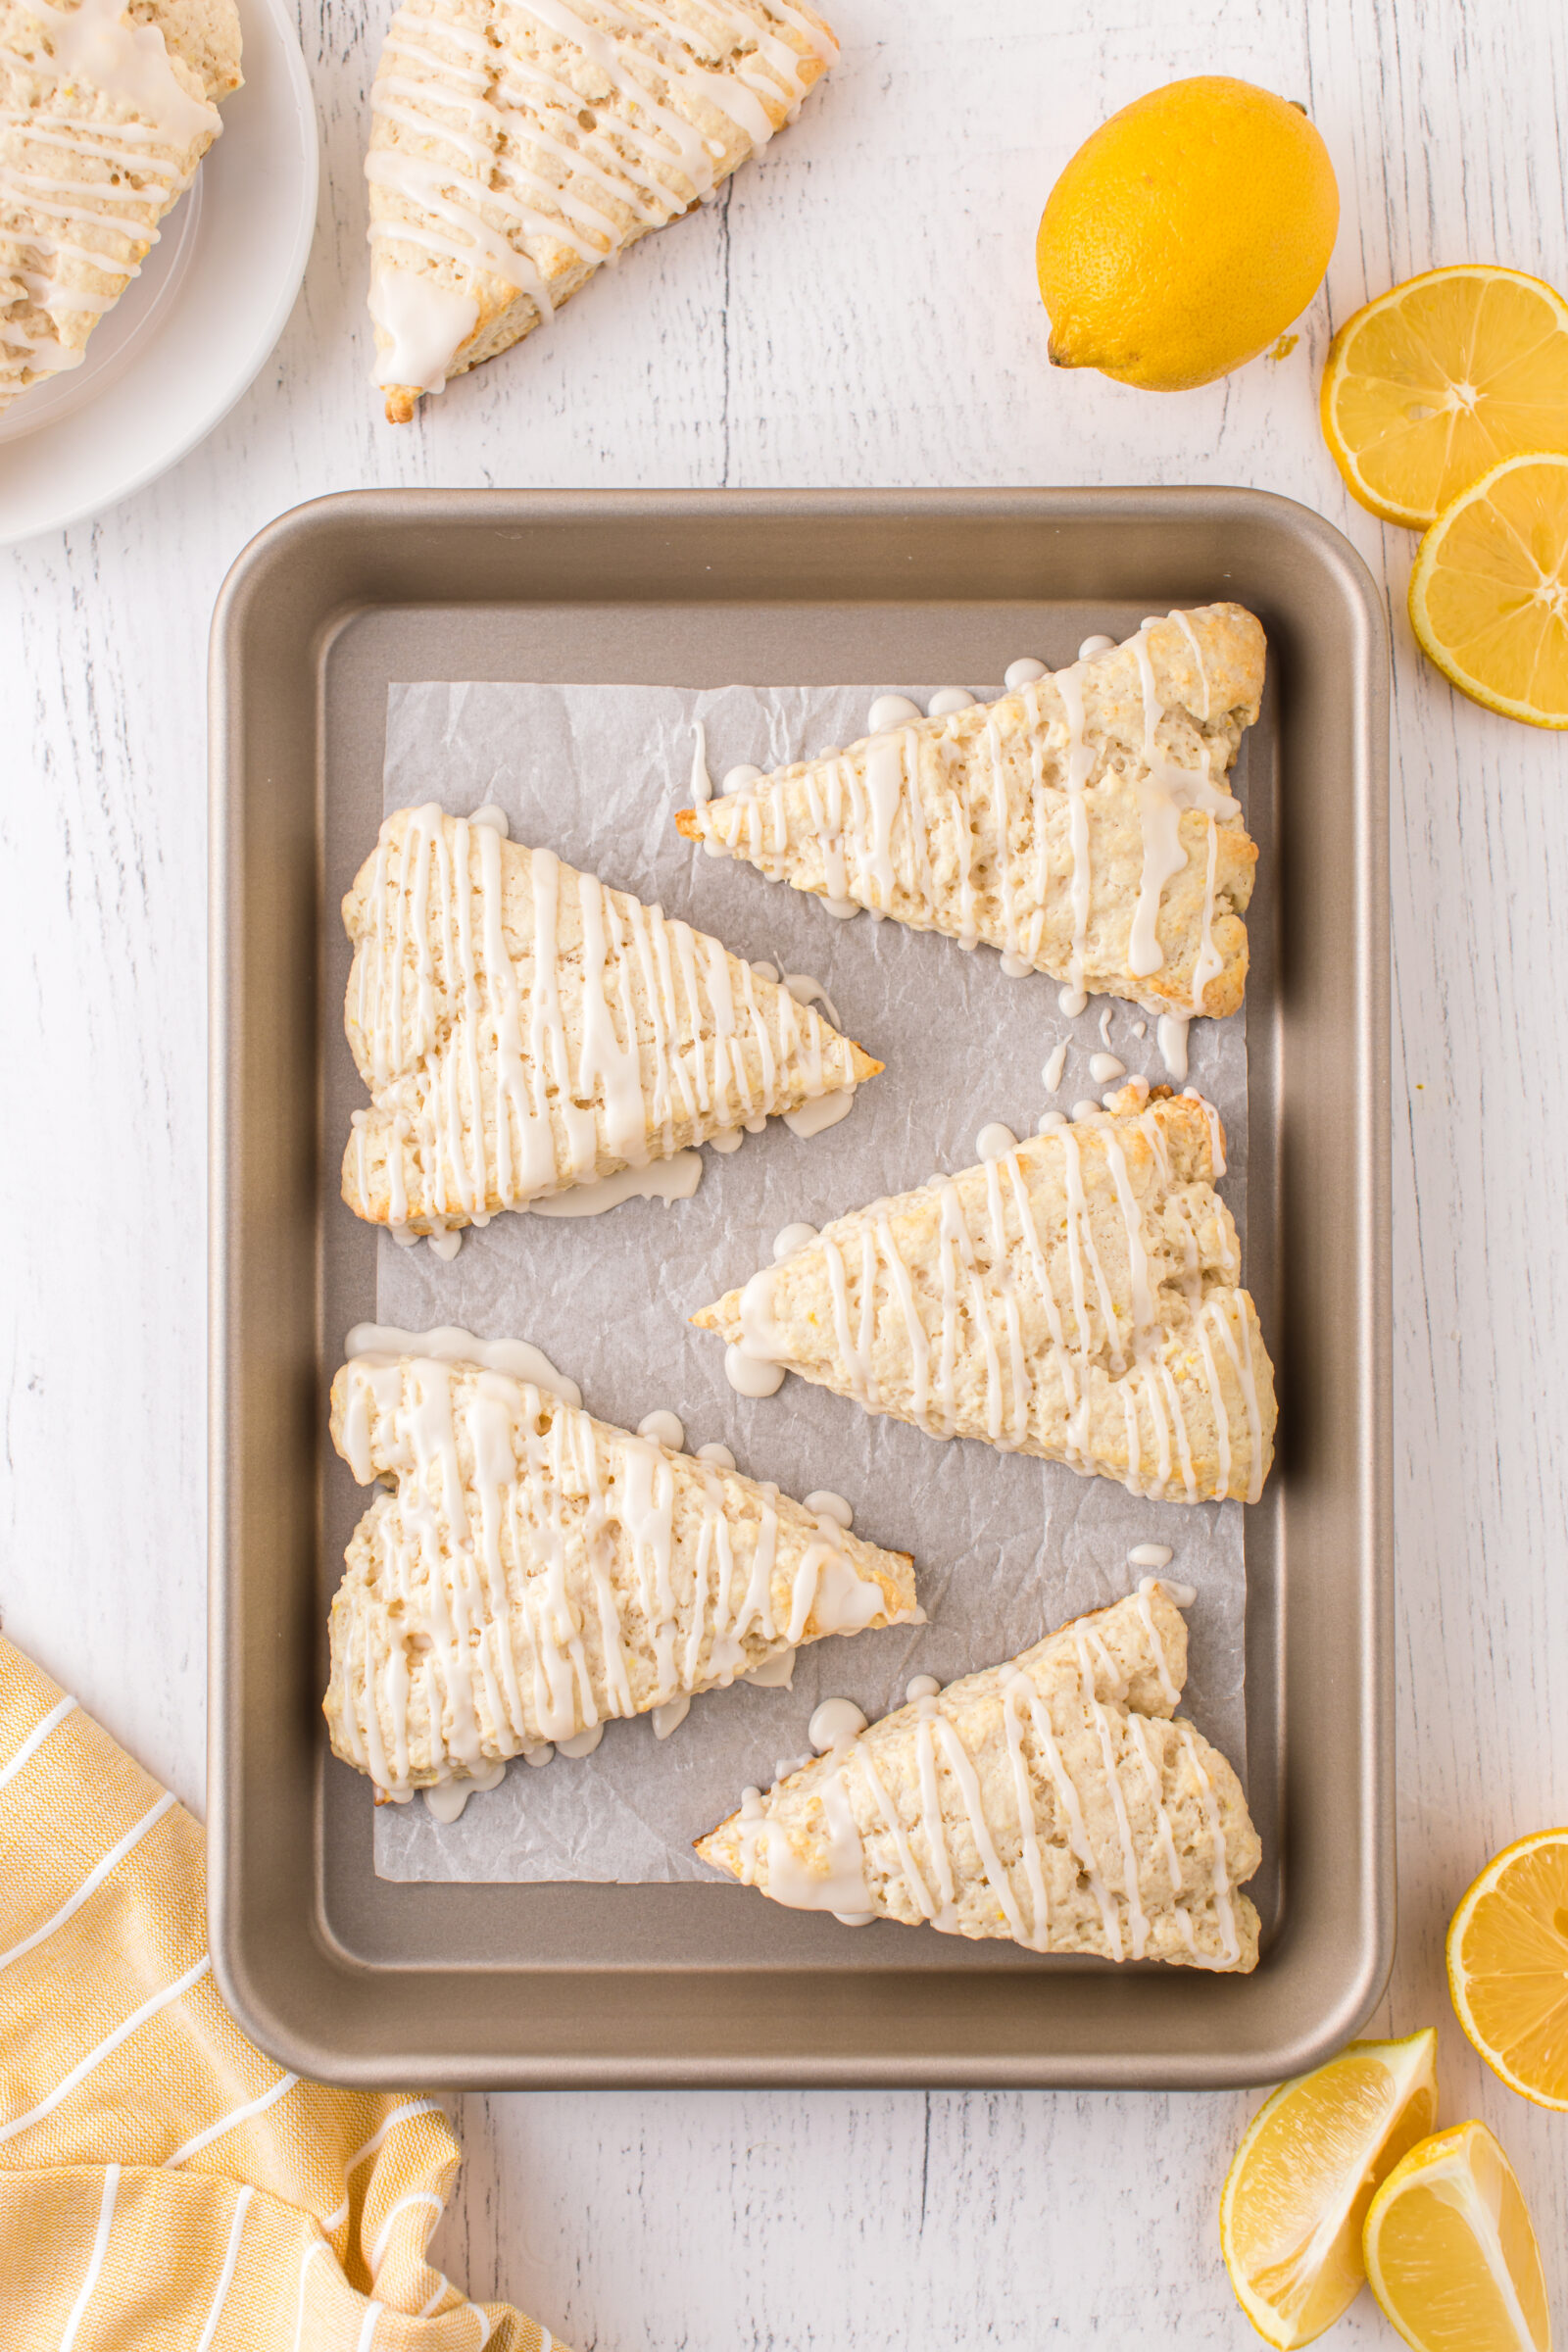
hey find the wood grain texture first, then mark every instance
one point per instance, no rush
(858, 307)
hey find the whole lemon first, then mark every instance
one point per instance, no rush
(1186, 234)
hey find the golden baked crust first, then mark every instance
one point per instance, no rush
(519, 144)
(1081, 824)
(522, 1029)
(105, 113)
(534, 1571)
(1078, 1298)
(1050, 1801)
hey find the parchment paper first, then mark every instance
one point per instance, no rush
(1006, 1548)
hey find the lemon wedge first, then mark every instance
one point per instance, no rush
(1451, 2254)
(1508, 1966)
(1295, 2200)
(1438, 381)
(1489, 595)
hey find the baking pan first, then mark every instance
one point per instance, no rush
(343, 1975)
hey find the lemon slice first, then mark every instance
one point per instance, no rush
(1508, 1966)
(1295, 2200)
(1489, 595)
(1444, 377)
(1451, 2254)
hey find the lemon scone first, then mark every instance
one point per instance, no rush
(533, 1572)
(105, 113)
(1077, 1298)
(1050, 1801)
(522, 1029)
(518, 144)
(1081, 824)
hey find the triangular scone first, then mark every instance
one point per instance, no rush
(1081, 824)
(1077, 1299)
(518, 144)
(1050, 1801)
(522, 1029)
(105, 113)
(534, 1571)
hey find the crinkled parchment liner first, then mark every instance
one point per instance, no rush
(1004, 1549)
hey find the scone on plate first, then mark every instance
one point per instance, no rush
(534, 1573)
(522, 1029)
(1077, 1299)
(1052, 1802)
(105, 114)
(1082, 825)
(518, 144)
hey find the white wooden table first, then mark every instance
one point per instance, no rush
(858, 308)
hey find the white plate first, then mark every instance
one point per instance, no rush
(194, 329)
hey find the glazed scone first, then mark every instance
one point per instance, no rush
(1052, 1802)
(522, 1029)
(105, 113)
(534, 1573)
(1081, 824)
(518, 144)
(1078, 1298)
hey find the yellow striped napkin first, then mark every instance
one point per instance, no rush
(162, 2183)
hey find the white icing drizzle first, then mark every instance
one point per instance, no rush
(702, 783)
(1092, 647)
(1105, 1066)
(834, 1724)
(922, 1686)
(672, 1715)
(948, 699)
(891, 711)
(488, 1626)
(791, 1238)
(581, 1743)
(1164, 793)
(664, 1428)
(664, 1180)
(823, 1111)
(995, 1141)
(717, 1456)
(1022, 672)
(447, 1798)
(840, 1888)
(1055, 1067)
(450, 1343)
(750, 1375)
(532, 186)
(775, 1673)
(1216, 1134)
(496, 818)
(1080, 768)
(1150, 1555)
(1170, 1032)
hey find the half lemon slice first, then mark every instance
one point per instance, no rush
(1489, 595)
(1508, 1966)
(1295, 2197)
(1451, 2254)
(1441, 379)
